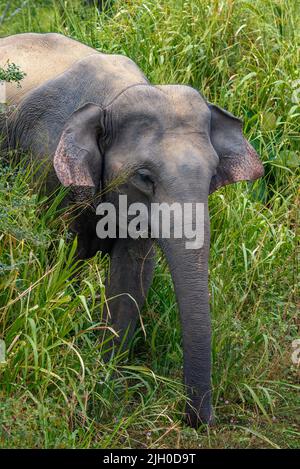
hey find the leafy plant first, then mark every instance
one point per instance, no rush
(11, 73)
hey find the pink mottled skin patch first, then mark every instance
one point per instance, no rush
(68, 163)
(245, 167)
(256, 167)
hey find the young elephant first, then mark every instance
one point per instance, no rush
(98, 118)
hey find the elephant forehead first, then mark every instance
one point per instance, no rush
(187, 153)
(170, 109)
(186, 101)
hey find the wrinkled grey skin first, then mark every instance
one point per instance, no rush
(100, 119)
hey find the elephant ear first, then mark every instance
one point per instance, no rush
(78, 160)
(238, 161)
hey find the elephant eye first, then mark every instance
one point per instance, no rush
(145, 176)
(143, 180)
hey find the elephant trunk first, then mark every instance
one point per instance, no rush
(189, 270)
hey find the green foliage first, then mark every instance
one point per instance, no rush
(11, 72)
(56, 390)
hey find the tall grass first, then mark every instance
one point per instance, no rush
(55, 389)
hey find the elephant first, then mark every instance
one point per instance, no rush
(96, 117)
(102, 5)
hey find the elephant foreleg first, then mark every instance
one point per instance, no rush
(127, 285)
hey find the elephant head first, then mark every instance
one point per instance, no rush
(174, 147)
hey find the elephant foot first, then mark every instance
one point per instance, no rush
(196, 418)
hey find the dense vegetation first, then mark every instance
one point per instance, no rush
(55, 390)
